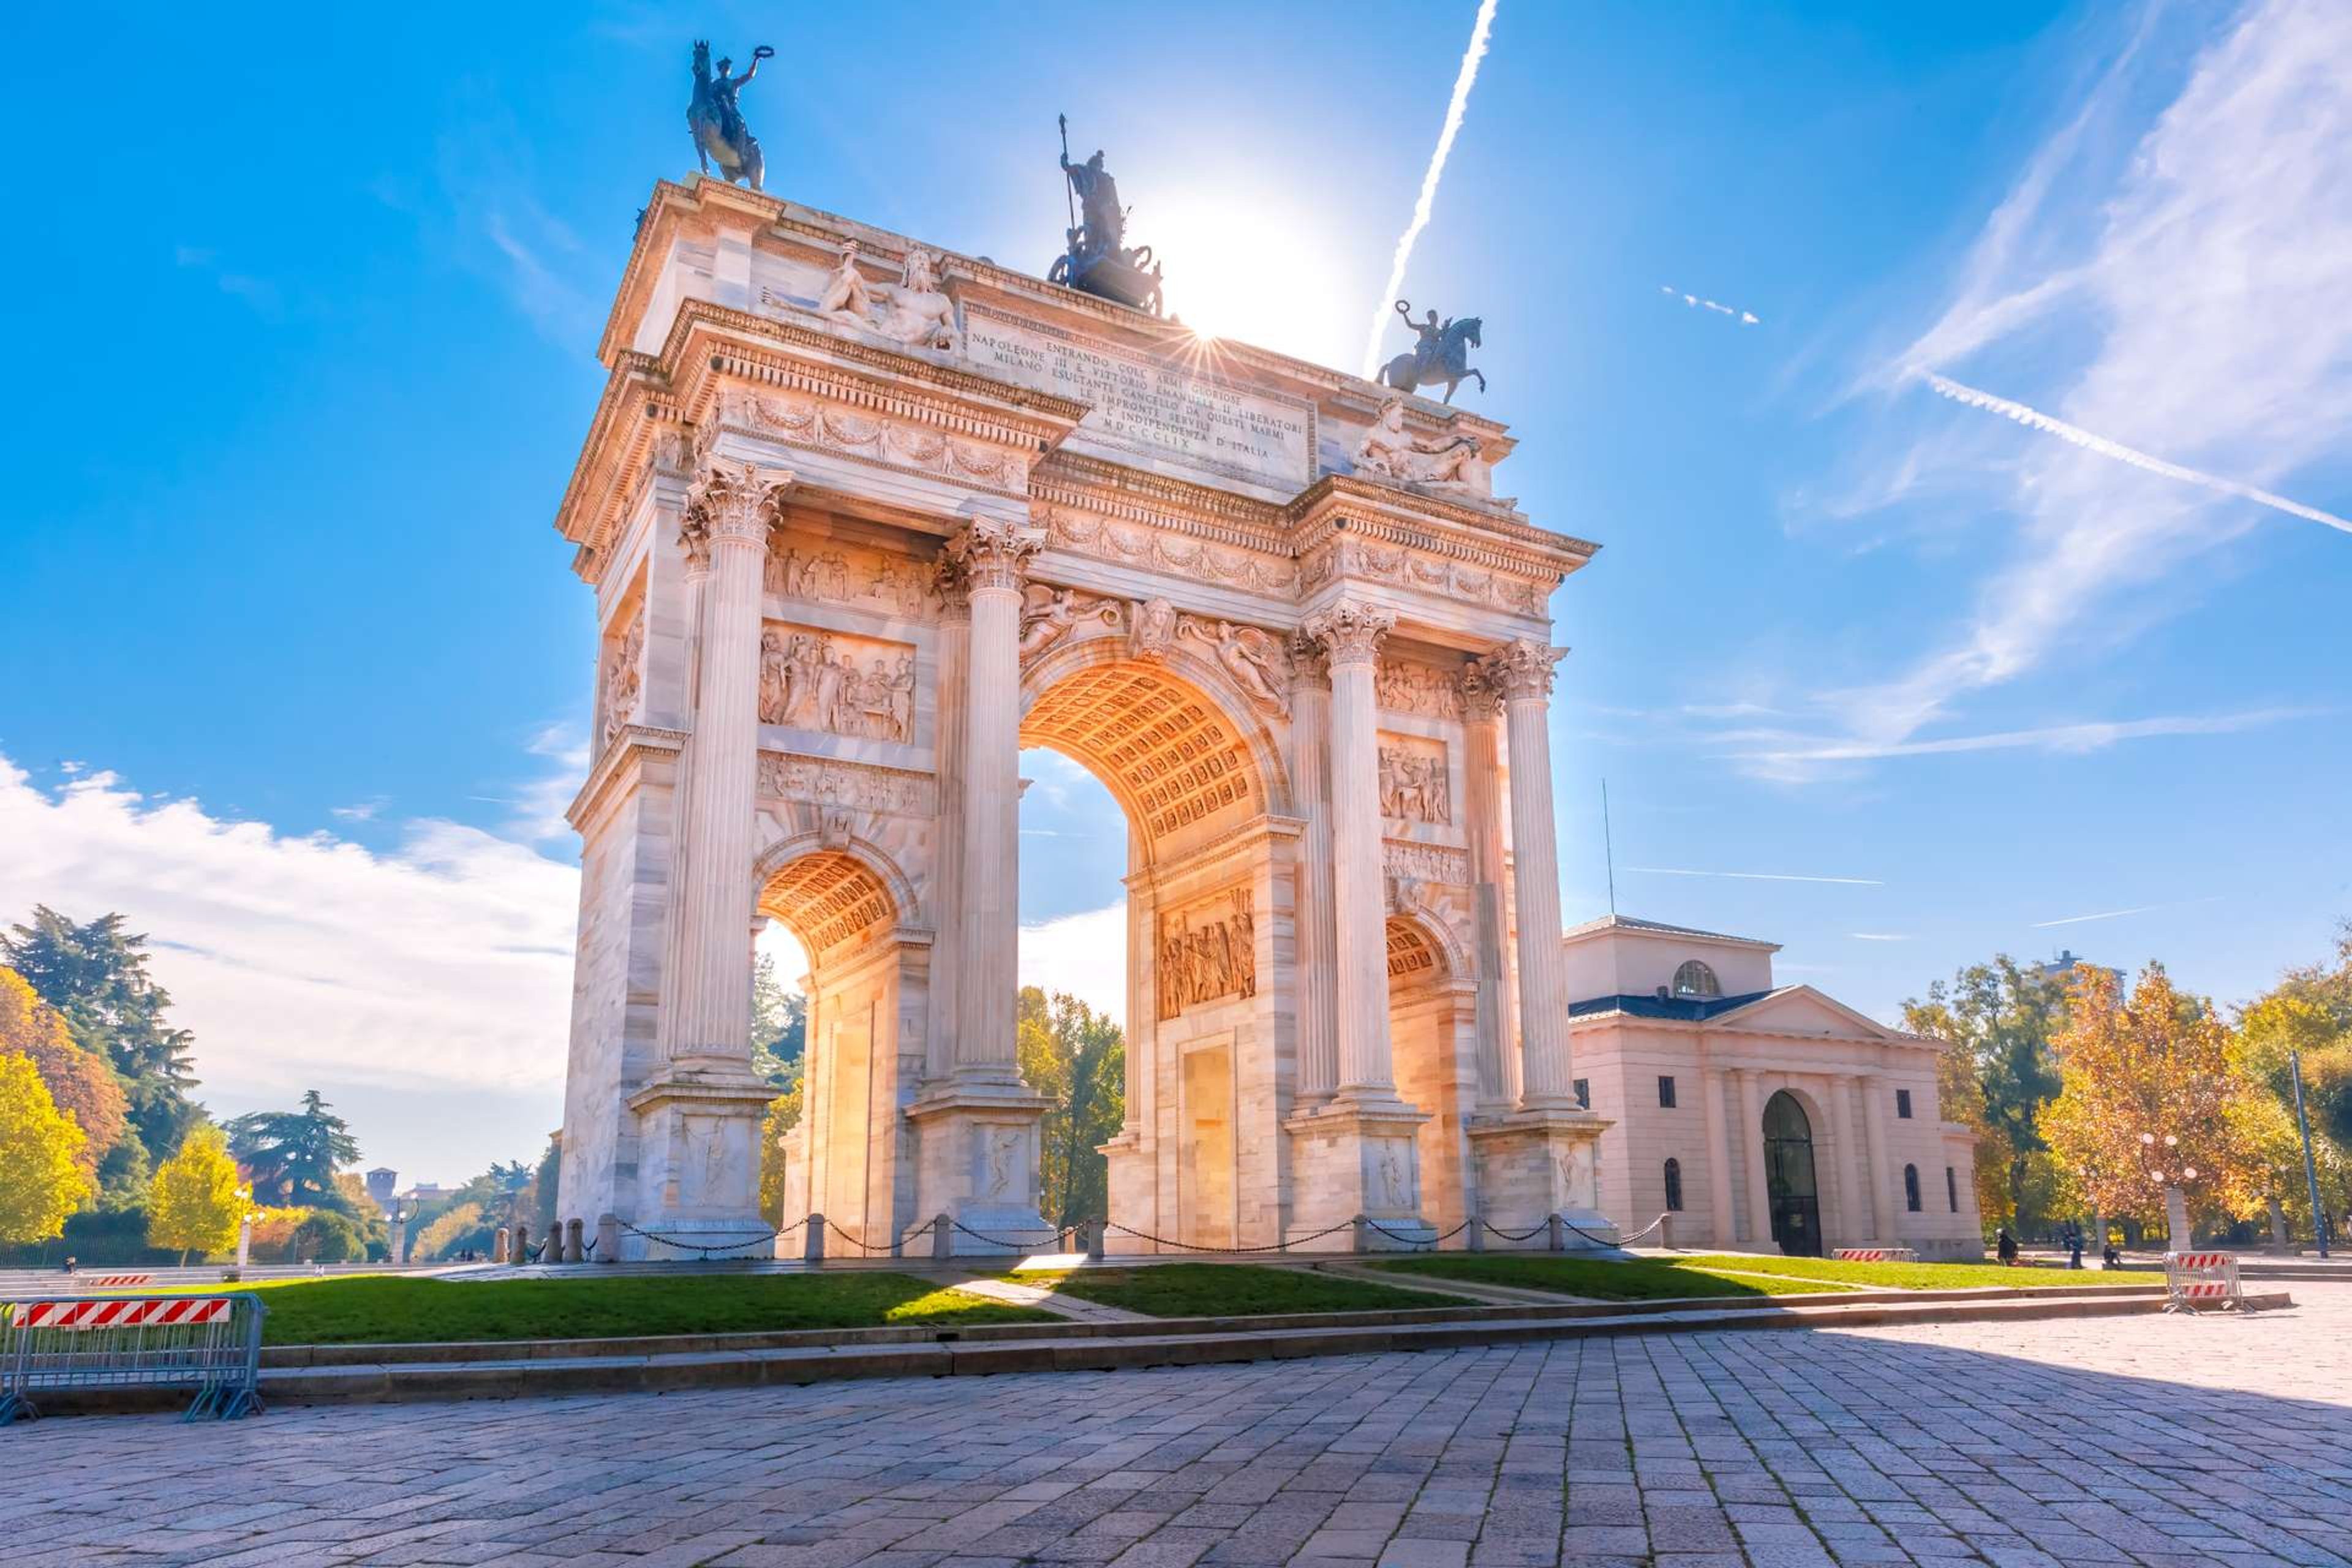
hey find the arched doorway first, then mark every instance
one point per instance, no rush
(1788, 1179)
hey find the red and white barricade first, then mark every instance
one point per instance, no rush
(2196, 1281)
(113, 1281)
(1875, 1255)
(210, 1344)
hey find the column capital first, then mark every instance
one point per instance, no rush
(1522, 668)
(1350, 633)
(1309, 665)
(733, 502)
(988, 554)
(1481, 697)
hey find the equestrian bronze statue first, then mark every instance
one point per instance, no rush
(715, 120)
(1441, 353)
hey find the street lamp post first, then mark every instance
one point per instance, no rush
(2176, 1200)
(398, 1222)
(2310, 1171)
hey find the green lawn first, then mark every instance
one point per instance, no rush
(1640, 1279)
(1913, 1276)
(1225, 1290)
(387, 1310)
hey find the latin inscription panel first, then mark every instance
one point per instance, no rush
(1149, 408)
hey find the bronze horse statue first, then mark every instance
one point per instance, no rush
(715, 120)
(1443, 354)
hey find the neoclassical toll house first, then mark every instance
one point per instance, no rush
(1762, 1116)
(864, 520)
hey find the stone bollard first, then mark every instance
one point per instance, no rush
(942, 1237)
(1554, 1233)
(1363, 1232)
(608, 1239)
(572, 1253)
(521, 1250)
(813, 1240)
(1667, 1231)
(1094, 1229)
(1476, 1234)
(502, 1249)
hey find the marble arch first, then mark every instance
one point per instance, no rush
(841, 579)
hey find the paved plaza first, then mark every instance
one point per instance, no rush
(2154, 1440)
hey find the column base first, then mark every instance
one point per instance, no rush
(1134, 1180)
(1350, 1158)
(698, 1121)
(976, 1162)
(1536, 1164)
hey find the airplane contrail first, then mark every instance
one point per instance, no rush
(1463, 79)
(2033, 419)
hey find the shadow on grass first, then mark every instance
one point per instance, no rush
(1226, 1290)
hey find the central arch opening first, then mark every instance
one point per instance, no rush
(1788, 1179)
(1141, 896)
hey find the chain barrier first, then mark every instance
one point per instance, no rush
(864, 1249)
(1413, 1240)
(1527, 1235)
(687, 1244)
(995, 1240)
(1227, 1251)
(1621, 1241)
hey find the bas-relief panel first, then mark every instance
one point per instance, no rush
(621, 686)
(1408, 688)
(1208, 951)
(824, 780)
(1414, 785)
(831, 571)
(845, 684)
(1416, 862)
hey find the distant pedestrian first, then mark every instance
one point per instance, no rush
(2111, 1257)
(71, 1264)
(2074, 1246)
(2004, 1246)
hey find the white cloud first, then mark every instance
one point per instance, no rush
(1084, 954)
(1757, 875)
(1878, 936)
(2063, 738)
(1698, 302)
(300, 960)
(2172, 271)
(2119, 914)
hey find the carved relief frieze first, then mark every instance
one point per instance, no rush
(845, 685)
(1413, 782)
(894, 443)
(1355, 558)
(622, 681)
(1406, 687)
(830, 782)
(1208, 952)
(1154, 549)
(1403, 859)
(834, 572)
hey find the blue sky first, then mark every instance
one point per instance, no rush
(298, 673)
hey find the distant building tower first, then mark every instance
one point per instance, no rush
(2061, 969)
(380, 1183)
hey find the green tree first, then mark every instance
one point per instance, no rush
(41, 1179)
(2307, 1013)
(292, 1156)
(779, 1027)
(547, 1186)
(2001, 1018)
(452, 1230)
(197, 1199)
(784, 1115)
(327, 1237)
(80, 1081)
(1076, 1058)
(95, 974)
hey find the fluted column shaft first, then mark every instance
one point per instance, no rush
(1523, 671)
(1498, 1075)
(728, 516)
(1751, 1143)
(1310, 761)
(1351, 636)
(993, 560)
(950, 683)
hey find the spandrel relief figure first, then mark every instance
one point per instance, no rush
(1390, 452)
(919, 314)
(1048, 614)
(847, 294)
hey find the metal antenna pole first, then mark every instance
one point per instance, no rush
(1609, 846)
(2310, 1171)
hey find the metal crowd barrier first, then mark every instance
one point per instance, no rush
(208, 1343)
(2195, 1280)
(1876, 1254)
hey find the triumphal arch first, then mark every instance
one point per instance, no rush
(864, 520)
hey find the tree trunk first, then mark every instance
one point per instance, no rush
(2278, 1225)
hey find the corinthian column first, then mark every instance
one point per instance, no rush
(993, 560)
(1523, 671)
(1350, 634)
(725, 535)
(1310, 765)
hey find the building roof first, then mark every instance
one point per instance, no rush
(1660, 928)
(1687, 1009)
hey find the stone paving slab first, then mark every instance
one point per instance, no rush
(2159, 1441)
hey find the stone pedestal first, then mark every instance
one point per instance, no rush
(1133, 1174)
(1349, 1159)
(976, 1162)
(699, 1134)
(1537, 1164)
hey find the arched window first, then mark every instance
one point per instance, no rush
(1696, 979)
(1674, 1185)
(1911, 1188)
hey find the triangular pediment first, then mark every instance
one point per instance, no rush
(1802, 1010)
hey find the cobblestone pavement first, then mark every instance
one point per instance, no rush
(2156, 1441)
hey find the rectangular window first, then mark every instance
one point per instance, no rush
(1903, 1103)
(1584, 1094)
(1952, 1188)
(1665, 1092)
